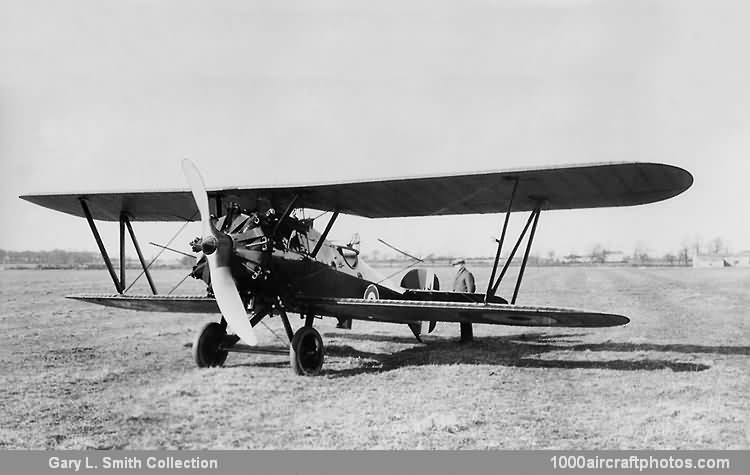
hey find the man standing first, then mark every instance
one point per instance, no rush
(464, 283)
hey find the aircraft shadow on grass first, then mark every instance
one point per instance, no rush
(523, 350)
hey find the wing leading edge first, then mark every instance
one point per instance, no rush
(568, 187)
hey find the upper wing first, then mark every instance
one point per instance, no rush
(407, 311)
(580, 186)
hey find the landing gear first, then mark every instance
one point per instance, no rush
(306, 351)
(207, 350)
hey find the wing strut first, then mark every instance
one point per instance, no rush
(124, 224)
(323, 237)
(102, 249)
(122, 252)
(124, 219)
(287, 212)
(536, 214)
(490, 287)
(533, 217)
(145, 266)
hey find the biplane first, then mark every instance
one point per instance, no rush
(260, 257)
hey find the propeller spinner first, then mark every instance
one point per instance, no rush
(218, 248)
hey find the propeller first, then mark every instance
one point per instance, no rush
(218, 248)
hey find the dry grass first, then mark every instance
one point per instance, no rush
(81, 376)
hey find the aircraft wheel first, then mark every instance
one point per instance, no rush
(306, 352)
(206, 352)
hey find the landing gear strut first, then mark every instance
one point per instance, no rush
(306, 350)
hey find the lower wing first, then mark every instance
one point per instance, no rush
(408, 311)
(153, 303)
(399, 311)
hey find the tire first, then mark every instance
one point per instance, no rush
(306, 352)
(206, 352)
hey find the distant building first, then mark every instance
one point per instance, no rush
(708, 261)
(614, 257)
(741, 259)
(605, 257)
(572, 259)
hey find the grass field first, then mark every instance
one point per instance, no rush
(678, 376)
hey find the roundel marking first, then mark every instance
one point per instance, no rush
(371, 293)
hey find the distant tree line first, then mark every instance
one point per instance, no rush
(597, 254)
(63, 259)
(57, 257)
(641, 254)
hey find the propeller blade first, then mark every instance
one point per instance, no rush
(198, 188)
(222, 282)
(230, 303)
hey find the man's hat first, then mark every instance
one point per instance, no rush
(458, 261)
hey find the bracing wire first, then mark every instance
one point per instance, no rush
(273, 333)
(161, 251)
(179, 283)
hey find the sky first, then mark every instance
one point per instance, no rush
(113, 95)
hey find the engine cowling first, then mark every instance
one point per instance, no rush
(251, 253)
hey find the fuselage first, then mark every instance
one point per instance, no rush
(282, 257)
